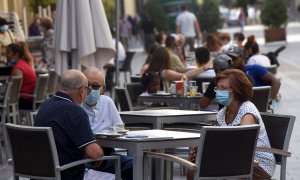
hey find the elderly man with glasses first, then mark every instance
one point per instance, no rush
(103, 114)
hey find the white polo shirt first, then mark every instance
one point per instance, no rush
(103, 115)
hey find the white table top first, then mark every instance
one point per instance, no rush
(165, 112)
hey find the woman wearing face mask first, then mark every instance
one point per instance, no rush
(234, 90)
(6, 37)
(19, 56)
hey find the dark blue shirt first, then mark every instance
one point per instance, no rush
(34, 30)
(256, 72)
(71, 129)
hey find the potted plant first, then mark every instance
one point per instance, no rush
(209, 17)
(274, 16)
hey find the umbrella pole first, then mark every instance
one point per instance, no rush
(117, 42)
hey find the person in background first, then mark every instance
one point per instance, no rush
(110, 66)
(181, 49)
(48, 32)
(175, 54)
(220, 63)
(6, 38)
(103, 114)
(20, 58)
(72, 132)
(242, 19)
(151, 83)
(34, 28)
(149, 32)
(238, 39)
(252, 53)
(152, 49)
(203, 57)
(161, 63)
(160, 38)
(212, 43)
(259, 74)
(187, 25)
(125, 31)
(225, 41)
(234, 90)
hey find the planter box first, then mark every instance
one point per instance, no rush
(275, 34)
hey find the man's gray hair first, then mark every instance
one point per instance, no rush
(95, 70)
(71, 80)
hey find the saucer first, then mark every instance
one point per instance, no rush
(109, 134)
(123, 131)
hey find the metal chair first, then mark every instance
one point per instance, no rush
(200, 81)
(52, 83)
(261, 96)
(272, 69)
(32, 117)
(4, 112)
(135, 78)
(39, 95)
(223, 153)
(124, 100)
(34, 153)
(134, 90)
(14, 99)
(279, 129)
(127, 64)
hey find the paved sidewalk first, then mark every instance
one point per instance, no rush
(289, 72)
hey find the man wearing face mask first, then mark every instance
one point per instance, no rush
(72, 132)
(103, 114)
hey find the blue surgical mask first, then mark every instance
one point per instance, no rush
(93, 97)
(4, 28)
(13, 61)
(222, 97)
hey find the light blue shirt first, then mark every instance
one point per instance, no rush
(103, 115)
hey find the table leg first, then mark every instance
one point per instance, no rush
(137, 156)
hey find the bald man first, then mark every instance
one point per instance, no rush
(103, 114)
(73, 136)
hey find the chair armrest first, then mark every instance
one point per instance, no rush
(83, 161)
(26, 94)
(275, 151)
(168, 157)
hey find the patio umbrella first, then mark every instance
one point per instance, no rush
(81, 35)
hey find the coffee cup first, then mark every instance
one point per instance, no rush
(119, 127)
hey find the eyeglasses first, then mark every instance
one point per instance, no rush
(88, 90)
(95, 86)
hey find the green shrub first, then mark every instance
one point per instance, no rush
(274, 13)
(155, 11)
(209, 17)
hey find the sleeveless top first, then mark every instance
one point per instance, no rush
(29, 76)
(266, 160)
